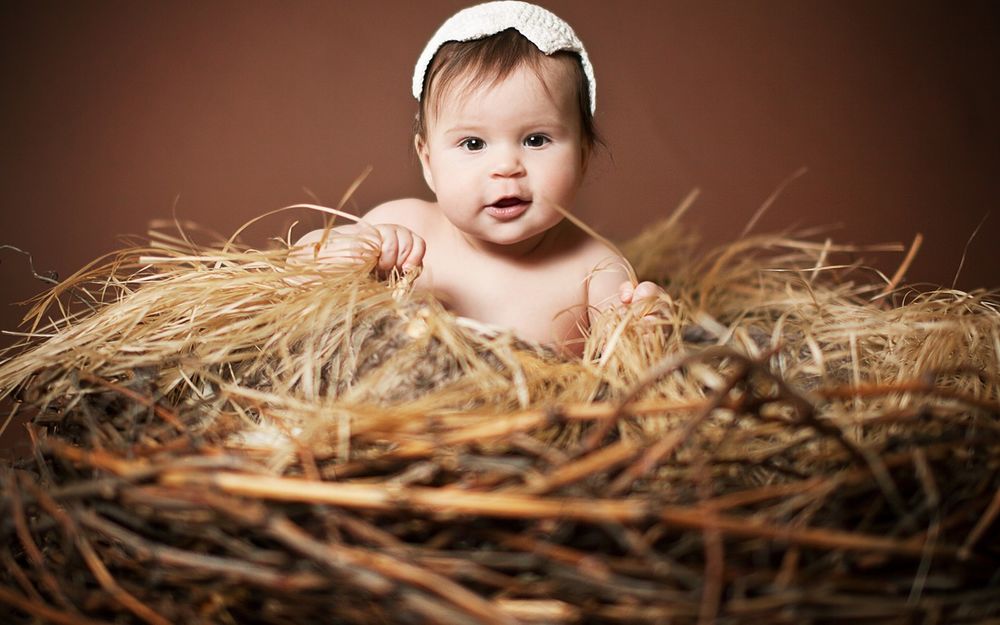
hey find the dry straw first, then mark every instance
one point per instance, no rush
(221, 436)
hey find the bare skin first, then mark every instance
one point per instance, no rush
(493, 247)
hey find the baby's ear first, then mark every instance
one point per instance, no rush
(420, 145)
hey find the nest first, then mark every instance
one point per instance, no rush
(219, 437)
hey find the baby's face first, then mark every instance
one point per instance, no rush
(499, 157)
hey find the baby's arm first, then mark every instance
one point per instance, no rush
(397, 246)
(610, 284)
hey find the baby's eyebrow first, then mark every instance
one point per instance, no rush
(547, 125)
(528, 126)
(548, 122)
(463, 128)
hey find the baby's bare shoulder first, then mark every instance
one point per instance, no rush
(604, 271)
(412, 213)
(591, 255)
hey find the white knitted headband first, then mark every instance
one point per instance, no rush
(539, 26)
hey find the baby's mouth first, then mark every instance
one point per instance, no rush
(508, 207)
(507, 201)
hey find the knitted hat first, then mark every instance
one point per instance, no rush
(539, 26)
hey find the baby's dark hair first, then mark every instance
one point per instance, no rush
(488, 61)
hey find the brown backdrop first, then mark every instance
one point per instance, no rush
(113, 112)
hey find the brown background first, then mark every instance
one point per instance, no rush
(114, 111)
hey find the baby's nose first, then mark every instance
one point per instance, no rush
(507, 163)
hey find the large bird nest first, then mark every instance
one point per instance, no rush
(220, 437)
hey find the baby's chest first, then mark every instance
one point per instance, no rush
(543, 304)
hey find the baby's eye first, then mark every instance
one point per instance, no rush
(472, 144)
(536, 141)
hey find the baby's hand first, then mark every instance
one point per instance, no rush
(644, 292)
(629, 294)
(400, 248)
(397, 246)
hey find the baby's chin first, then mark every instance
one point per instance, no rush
(504, 237)
(518, 234)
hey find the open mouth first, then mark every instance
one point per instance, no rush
(508, 207)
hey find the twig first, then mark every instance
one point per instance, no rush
(661, 449)
(35, 557)
(108, 583)
(715, 558)
(808, 416)
(43, 611)
(149, 402)
(491, 428)
(18, 574)
(238, 570)
(603, 459)
(897, 277)
(436, 502)
(984, 521)
(49, 279)
(586, 564)
(391, 567)
(539, 610)
(94, 563)
(933, 500)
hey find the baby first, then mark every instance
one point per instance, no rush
(504, 133)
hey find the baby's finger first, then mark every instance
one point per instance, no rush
(388, 252)
(404, 245)
(626, 292)
(646, 290)
(415, 258)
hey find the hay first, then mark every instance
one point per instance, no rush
(220, 437)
